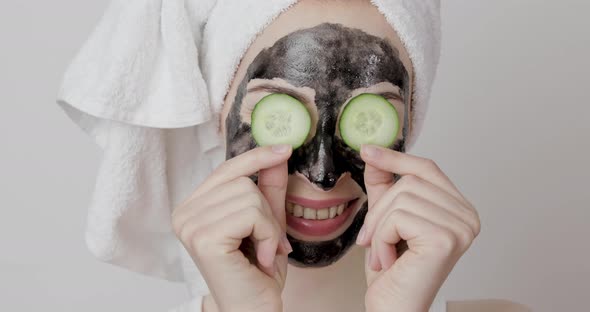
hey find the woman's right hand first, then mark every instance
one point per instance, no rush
(234, 230)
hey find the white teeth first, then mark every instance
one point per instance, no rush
(323, 214)
(309, 214)
(314, 214)
(340, 209)
(297, 211)
(333, 212)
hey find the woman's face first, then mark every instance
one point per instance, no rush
(323, 60)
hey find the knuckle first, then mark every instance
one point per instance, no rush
(402, 198)
(397, 214)
(252, 187)
(431, 164)
(247, 184)
(186, 235)
(409, 180)
(445, 240)
(465, 238)
(476, 227)
(180, 222)
(405, 197)
(176, 212)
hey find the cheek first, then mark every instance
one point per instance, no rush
(240, 143)
(238, 138)
(350, 161)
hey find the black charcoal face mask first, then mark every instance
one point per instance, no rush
(333, 60)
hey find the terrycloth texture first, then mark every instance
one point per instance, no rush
(140, 66)
(137, 74)
(148, 86)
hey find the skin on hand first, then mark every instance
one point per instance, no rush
(227, 211)
(424, 209)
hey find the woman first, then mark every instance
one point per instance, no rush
(330, 215)
(332, 49)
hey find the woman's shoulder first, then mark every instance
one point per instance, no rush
(486, 305)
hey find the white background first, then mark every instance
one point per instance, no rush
(509, 124)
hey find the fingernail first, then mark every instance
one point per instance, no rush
(286, 244)
(281, 148)
(361, 237)
(370, 151)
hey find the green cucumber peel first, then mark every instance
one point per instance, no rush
(369, 119)
(280, 119)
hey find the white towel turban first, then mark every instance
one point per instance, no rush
(148, 86)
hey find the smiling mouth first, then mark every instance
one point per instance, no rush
(318, 218)
(308, 213)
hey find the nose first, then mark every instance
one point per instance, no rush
(318, 165)
(326, 182)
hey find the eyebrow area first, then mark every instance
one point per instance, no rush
(392, 95)
(279, 89)
(303, 98)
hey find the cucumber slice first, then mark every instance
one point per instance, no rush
(369, 119)
(280, 119)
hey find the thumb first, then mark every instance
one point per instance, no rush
(272, 183)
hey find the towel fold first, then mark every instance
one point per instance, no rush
(148, 86)
(136, 87)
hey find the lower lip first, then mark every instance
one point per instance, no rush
(319, 227)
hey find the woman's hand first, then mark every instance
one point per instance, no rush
(215, 222)
(426, 210)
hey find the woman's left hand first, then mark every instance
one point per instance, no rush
(424, 209)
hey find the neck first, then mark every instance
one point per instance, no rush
(338, 287)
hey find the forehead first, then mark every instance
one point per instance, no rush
(330, 54)
(359, 15)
